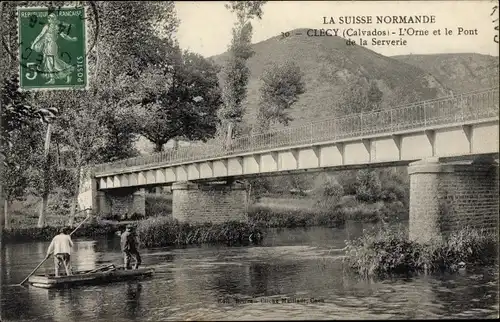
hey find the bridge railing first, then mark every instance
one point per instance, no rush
(453, 109)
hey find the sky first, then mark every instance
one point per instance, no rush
(206, 26)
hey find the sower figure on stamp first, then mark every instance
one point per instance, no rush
(46, 44)
(129, 245)
(61, 247)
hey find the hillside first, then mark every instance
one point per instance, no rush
(460, 72)
(328, 65)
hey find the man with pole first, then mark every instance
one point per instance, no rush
(61, 248)
(47, 257)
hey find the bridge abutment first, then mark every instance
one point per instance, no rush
(445, 197)
(214, 203)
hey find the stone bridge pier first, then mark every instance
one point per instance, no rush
(216, 203)
(445, 197)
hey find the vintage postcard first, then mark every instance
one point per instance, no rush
(249, 160)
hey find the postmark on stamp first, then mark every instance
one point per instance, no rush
(52, 50)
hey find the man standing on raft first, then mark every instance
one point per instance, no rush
(61, 247)
(129, 247)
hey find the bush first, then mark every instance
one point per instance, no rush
(286, 218)
(327, 192)
(394, 211)
(347, 179)
(395, 185)
(164, 231)
(353, 209)
(368, 186)
(387, 252)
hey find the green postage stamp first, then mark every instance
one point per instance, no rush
(52, 48)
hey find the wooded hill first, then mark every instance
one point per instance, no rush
(330, 67)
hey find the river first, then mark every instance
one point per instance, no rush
(303, 266)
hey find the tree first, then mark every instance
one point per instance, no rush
(374, 96)
(402, 96)
(80, 127)
(327, 191)
(184, 106)
(360, 96)
(17, 114)
(235, 73)
(22, 157)
(120, 135)
(136, 49)
(14, 108)
(281, 87)
(130, 35)
(368, 186)
(18, 111)
(133, 38)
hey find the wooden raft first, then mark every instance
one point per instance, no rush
(102, 275)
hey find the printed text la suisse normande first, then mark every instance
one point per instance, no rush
(348, 20)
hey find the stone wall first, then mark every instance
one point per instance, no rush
(447, 197)
(209, 203)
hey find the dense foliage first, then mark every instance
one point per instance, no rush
(142, 84)
(388, 251)
(275, 218)
(235, 73)
(281, 87)
(163, 231)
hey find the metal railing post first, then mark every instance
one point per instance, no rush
(425, 114)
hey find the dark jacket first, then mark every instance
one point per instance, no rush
(128, 241)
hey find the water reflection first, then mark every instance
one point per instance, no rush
(220, 283)
(133, 306)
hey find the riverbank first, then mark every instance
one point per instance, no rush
(303, 212)
(387, 251)
(266, 213)
(152, 232)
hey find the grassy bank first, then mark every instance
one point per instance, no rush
(153, 232)
(386, 252)
(296, 212)
(162, 231)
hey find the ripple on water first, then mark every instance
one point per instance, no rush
(189, 283)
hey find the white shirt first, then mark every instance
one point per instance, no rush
(60, 244)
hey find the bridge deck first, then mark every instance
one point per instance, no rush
(463, 109)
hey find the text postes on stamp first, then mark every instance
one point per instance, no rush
(52, 48)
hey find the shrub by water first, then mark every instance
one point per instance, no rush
(388, 251)
(164, 231)
(272, 218)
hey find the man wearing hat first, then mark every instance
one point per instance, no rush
(129, 247)
(61, 247)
